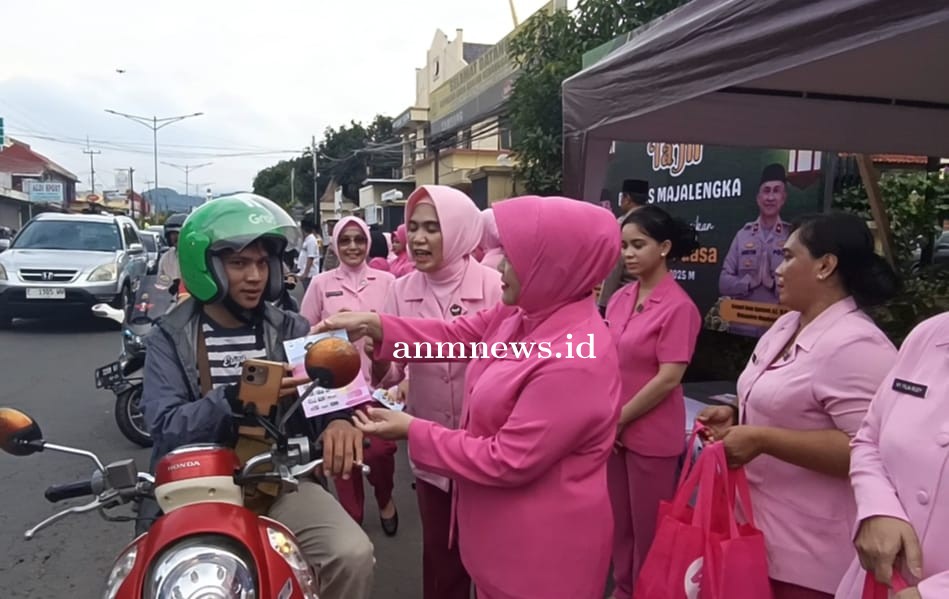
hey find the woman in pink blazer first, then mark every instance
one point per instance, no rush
(354, 286)
(447, 284)
(802, 398)
(532, 508)
(899, 469)
(655, 326)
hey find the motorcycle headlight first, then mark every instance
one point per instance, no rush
(104, 273)
(120, 571)
(289, 551)
(202, 568)
(135, 341)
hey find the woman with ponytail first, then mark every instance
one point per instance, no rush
(803, 397)
(654, 325)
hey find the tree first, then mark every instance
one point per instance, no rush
(348, 154)
(916, 203)
(548, 50)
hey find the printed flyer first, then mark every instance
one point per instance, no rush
(324, 401)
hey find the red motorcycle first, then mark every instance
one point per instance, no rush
(206, 545)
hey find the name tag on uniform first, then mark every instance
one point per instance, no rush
(914, 389)
(334, 293)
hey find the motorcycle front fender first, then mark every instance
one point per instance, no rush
(238, 524)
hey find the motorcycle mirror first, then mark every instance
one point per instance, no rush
(19, 434)
(107, 311)
(332, 362)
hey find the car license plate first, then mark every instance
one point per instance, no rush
(108, 376)
(56, 293)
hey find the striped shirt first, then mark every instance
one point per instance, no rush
(227, 350)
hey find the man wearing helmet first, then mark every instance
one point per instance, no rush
(230, 255)
(168, 271)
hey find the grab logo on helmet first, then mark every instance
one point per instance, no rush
(265, 218)
(693, 579)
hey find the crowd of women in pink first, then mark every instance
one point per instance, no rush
(534, 476)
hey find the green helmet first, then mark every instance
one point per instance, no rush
(232, 223)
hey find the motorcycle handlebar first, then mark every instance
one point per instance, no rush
(80, 488)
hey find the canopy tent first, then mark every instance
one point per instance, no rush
(866, 76)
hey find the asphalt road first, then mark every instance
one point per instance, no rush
(46, 370)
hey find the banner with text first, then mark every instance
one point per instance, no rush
(741, 202)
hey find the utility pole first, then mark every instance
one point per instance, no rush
(317, 216)
(293, 178)
(132, 194)
(92, 162)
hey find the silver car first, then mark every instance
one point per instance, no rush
(153, 249)
(70, 262)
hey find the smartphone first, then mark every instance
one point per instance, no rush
(260, 384)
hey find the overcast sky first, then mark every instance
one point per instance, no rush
(267, 75)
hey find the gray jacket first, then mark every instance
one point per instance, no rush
(175, 412)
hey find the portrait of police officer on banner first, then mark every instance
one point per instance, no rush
(757, 249)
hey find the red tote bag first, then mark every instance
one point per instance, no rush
(703, 552)
(736, 559)
(877, 590)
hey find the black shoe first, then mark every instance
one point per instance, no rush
(390, 526)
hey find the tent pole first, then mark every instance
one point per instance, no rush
(871, 181)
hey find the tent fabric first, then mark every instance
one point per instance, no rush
(864, 76)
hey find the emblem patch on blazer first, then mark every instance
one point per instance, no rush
(334, 293)
(455, 310)
(909, 388)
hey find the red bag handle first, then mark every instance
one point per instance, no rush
(877, 590)
(715, 490)
(688, 484)
(690, 449)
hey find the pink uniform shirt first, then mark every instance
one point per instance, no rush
(360, 289)
(900, 461)
(664, 332)
(826, 382)
(436, 390)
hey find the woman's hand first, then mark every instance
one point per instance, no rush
(380, 422)
(356, 325)
(717, 420)
(909, 593)
(882, 541)
(742, 444)
(289, 383)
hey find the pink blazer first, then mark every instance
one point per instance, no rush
(826, 382)
(437, 389)
(900, 461)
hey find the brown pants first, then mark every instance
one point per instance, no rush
(332, 542)
(443, 574)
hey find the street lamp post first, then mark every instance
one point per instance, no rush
(154, 123)
(187, 170)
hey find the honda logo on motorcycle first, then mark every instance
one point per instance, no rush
(183, 465)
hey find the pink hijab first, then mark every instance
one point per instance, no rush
(490, 242)
(401, 265)
(461, 229)
(352, 274)
(552, 273)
